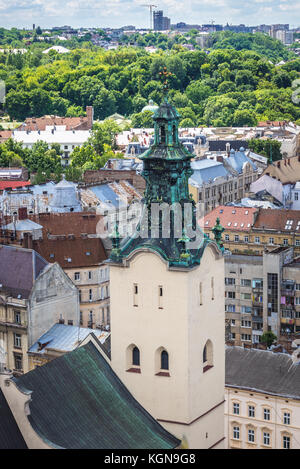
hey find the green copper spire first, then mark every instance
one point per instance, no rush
(166, 170)
(218, 231)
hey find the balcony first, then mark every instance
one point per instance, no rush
(257, 320)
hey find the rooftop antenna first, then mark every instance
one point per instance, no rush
(150, 6)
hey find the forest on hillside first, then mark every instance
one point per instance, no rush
(234, 83)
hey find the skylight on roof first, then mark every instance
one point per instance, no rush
(229, 224)
(247, 211)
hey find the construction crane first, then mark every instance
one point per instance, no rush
(150, 6)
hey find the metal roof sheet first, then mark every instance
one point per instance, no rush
(66, 338)
(78, 402)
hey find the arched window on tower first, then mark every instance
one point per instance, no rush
(135, 356)
(162, 362)
(133, 359)
(207, 357)
(174, 134)
(162, 135)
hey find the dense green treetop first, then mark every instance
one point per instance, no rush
(235, 82)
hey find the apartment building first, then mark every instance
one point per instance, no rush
(262, 409)
(262, 293)
(34, 295)
(255, 230)
(221, 180)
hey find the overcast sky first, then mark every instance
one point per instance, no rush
(116, 13)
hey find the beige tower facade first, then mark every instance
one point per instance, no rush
(167, 300)
(156, 308)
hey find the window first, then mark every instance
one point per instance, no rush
(89, 275)
(229, 281)
(79, 296)
(207, 357)
(286, 442)
(246, 296)
(231, 294)
(212, 288)
(246, 323)
(77, 276)
(233, 322)
(251, 411)
(236, 238)
(227, 237)
(18, 362)
(17, 317)
(285, 242)
(230, 308)
(236, 408)
(246, 239)
(297, 242)
(164, 360)
(246, 337)
(236, 433)
(80, 318)
(70, 322)
(287, 418)
(267, 414)
(246, 309)
(17, 340)
(245, 282)
(251, 436)
(257, 240)
(135, 356)
(135, 294)
(90, 295)
(266, 438)
(271, 240)
(200, 293)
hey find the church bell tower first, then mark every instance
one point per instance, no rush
(167, 301)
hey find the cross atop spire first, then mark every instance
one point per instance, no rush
(165, 77)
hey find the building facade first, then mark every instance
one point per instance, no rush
(262, 408)
(262, 293)
(34, 295)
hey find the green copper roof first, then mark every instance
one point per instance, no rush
(10, 435)
(79, 402)
(166, 111)
(166, 170)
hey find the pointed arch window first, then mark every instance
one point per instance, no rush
(135, 356)
(207, 356)
(164, 360)
(162, 364)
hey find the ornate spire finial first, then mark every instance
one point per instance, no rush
(165, 77)
(217, 231)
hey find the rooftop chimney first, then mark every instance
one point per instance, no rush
(22, 213)
(90, 116)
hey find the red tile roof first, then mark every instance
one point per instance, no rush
(40, 123)
(74, 223)
(278, 220)
(233, 218)
(13, 184)
(70, 253)
(5, 135)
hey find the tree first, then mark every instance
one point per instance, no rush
(268, 338)
(244, 117)
(142, 120)
(266, 148)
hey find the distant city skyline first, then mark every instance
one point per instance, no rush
(117, 13)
